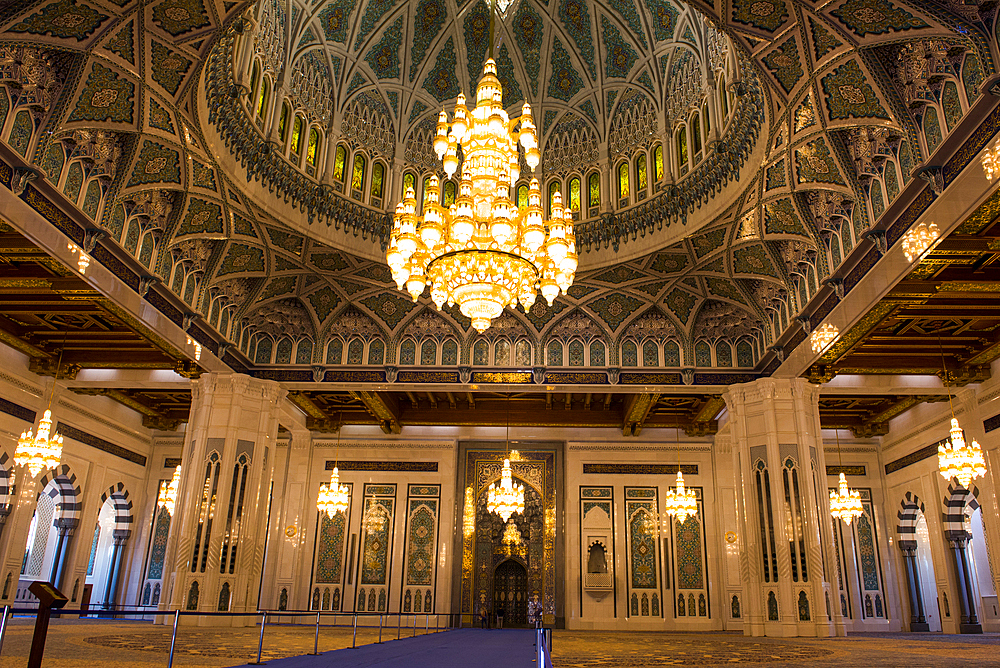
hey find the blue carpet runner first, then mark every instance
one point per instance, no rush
(459, 648)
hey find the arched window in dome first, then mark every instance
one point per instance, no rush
(554, 188)
(376, 352)
(576, 353)
(702, 354)
(408, 352)
(449, 353)
(312, 155)
(425, 187)
(522, 196)
(658, 163)
(297, 135)
(286, 111)
(671, 354)
(501, 353)
(356, 351)
(554, 354)
(449, 193)
(744, 354)
(574, 196)
(708, 119)
(428, 352)
(696, 135)
(254, 75)
(522, 353)
(630, 354)
(723, 354)
(650, 353)
(378, 183)
(481, 353)
(640, 175)
(682, 150)
(335, 351)
(358, 175)
(263, 354)
(594, 192)
(597, 353)
(284, 354)
(409, 183)
(263, 98)
(623, 184)
(340, 163)
(724, 95)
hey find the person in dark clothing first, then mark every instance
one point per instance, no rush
(500, 612)
(483, 618)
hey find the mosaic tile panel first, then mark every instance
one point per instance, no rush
(168, 68)
(680, 303)
(876, 17)
(780, 217)
(765, 15)
(373, 13)
(849, 95)
(180, 16)
(330, 552)
(642, 545)
(614, 309)
(441, 82)
(334, 20)
(565, 82)
(377, 545)
(202, 217)
(159, 117)
(421, 536)
(815, 164)
(123, 43)
(384, 56)
(690, 562)
(528, 30)
(575, 17)
(785, 65)
(428, 19)
(476, 29)
(66, 19)
(619, 54)
(753, 260)
(664, 19)
(105, 97)
(158, 548)
(241, 258)
(823, 41)
(156, 164)
(390, 308)
(626, 9)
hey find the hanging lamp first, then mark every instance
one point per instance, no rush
(168, 493)
(507, 498)
(374, 519)
(334, 497)
(42, 450)
(956, 457)
(680, 502)
(845, 503)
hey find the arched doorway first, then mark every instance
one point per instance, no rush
(925, 568)
(980, 565)
(510, 590)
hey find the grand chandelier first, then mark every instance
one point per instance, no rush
(960, 460)
(168, 493)
(845, 503)
(822, 337)
(681, 503)
(333, 497)
(39, 451)
(483, 252)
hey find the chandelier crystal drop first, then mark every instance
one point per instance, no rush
(333, 497)
(681, 503)
(168, 494)
(483, 252)
(918, 240)
(959, 459)
(38, 451)
(507, 498)
(845, 504)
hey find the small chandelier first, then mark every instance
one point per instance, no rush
(681, 503)
(333, 497)
(845, 504)
(375, 518)
(918, 240)
(38, 451)
(991, 162)
(168, 493)
(483, 252)
(508, 498)
(822, 337)
(960, 460)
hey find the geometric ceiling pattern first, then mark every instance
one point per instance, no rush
(855, 95)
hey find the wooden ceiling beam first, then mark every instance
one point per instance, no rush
(383, 407)
(636, 409)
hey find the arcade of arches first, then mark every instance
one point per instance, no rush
(195, 204)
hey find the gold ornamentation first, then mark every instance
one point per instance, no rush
(730, 537)
(845, 503)
(822, 337)
(291, 530)
(959, 459)
(917, 240)
(39, 452)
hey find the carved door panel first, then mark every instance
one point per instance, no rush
(510, 586)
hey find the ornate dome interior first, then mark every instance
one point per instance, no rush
(725, 160)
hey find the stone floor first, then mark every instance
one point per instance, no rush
(117, 644)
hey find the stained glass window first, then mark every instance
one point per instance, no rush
(723, 354)
(355, 352)
(283, 122)
(702, 354)
(254, 75)
(574, 194)
(597, 353)
(409, 181)
(313, 146)
(304, 352)
(696, 133)
(708, 120)
(658, 163)
(408, 352)
(595, 189)
(744, 354)
(334, 351)
(297, 135)
(640, 170)
(358, 176)
(376, 352)
(623, 180)
(650, 354)
(630, 354)
(481, 353)
(449, 193)
(263, 355)
(284, 353)
(428, 353)
(553, 189)
(682, 148)
(522, 353)
(449, 352)
(501, 353)
(262, 100)
(339, 163)
(423, 192)
(724, 96)
(554, 354)
(378, 176)
(671, 354)
(522, 196)
(575, 353)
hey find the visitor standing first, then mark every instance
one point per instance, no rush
(500, 611)
(483, 618)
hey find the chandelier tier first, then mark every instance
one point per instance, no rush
(959, 459)
(483, 252)
(681, 503)
(845, 503)
(333, 497)
(39, 451)
(374, 519)
(507, 498)
(168, 493)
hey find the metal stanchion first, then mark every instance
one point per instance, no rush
(173, 639)
(379, 630)
(260, 643)
(414, 627)
(3, 624)
(354, 641)
(316, 642)
(399, 625)
(427, 620)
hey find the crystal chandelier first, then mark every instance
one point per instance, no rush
(991, 162)
(168, 493)
(375, 518)
(38, 451)
(845, 504)
(483, 252)
(333, 497)
(507, 498)
(918, 240)
(681, 503)
(959, 459)
(822, 337)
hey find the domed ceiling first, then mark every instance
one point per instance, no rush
(134, 115)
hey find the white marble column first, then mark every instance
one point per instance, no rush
(776, 435)
(221, 518)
